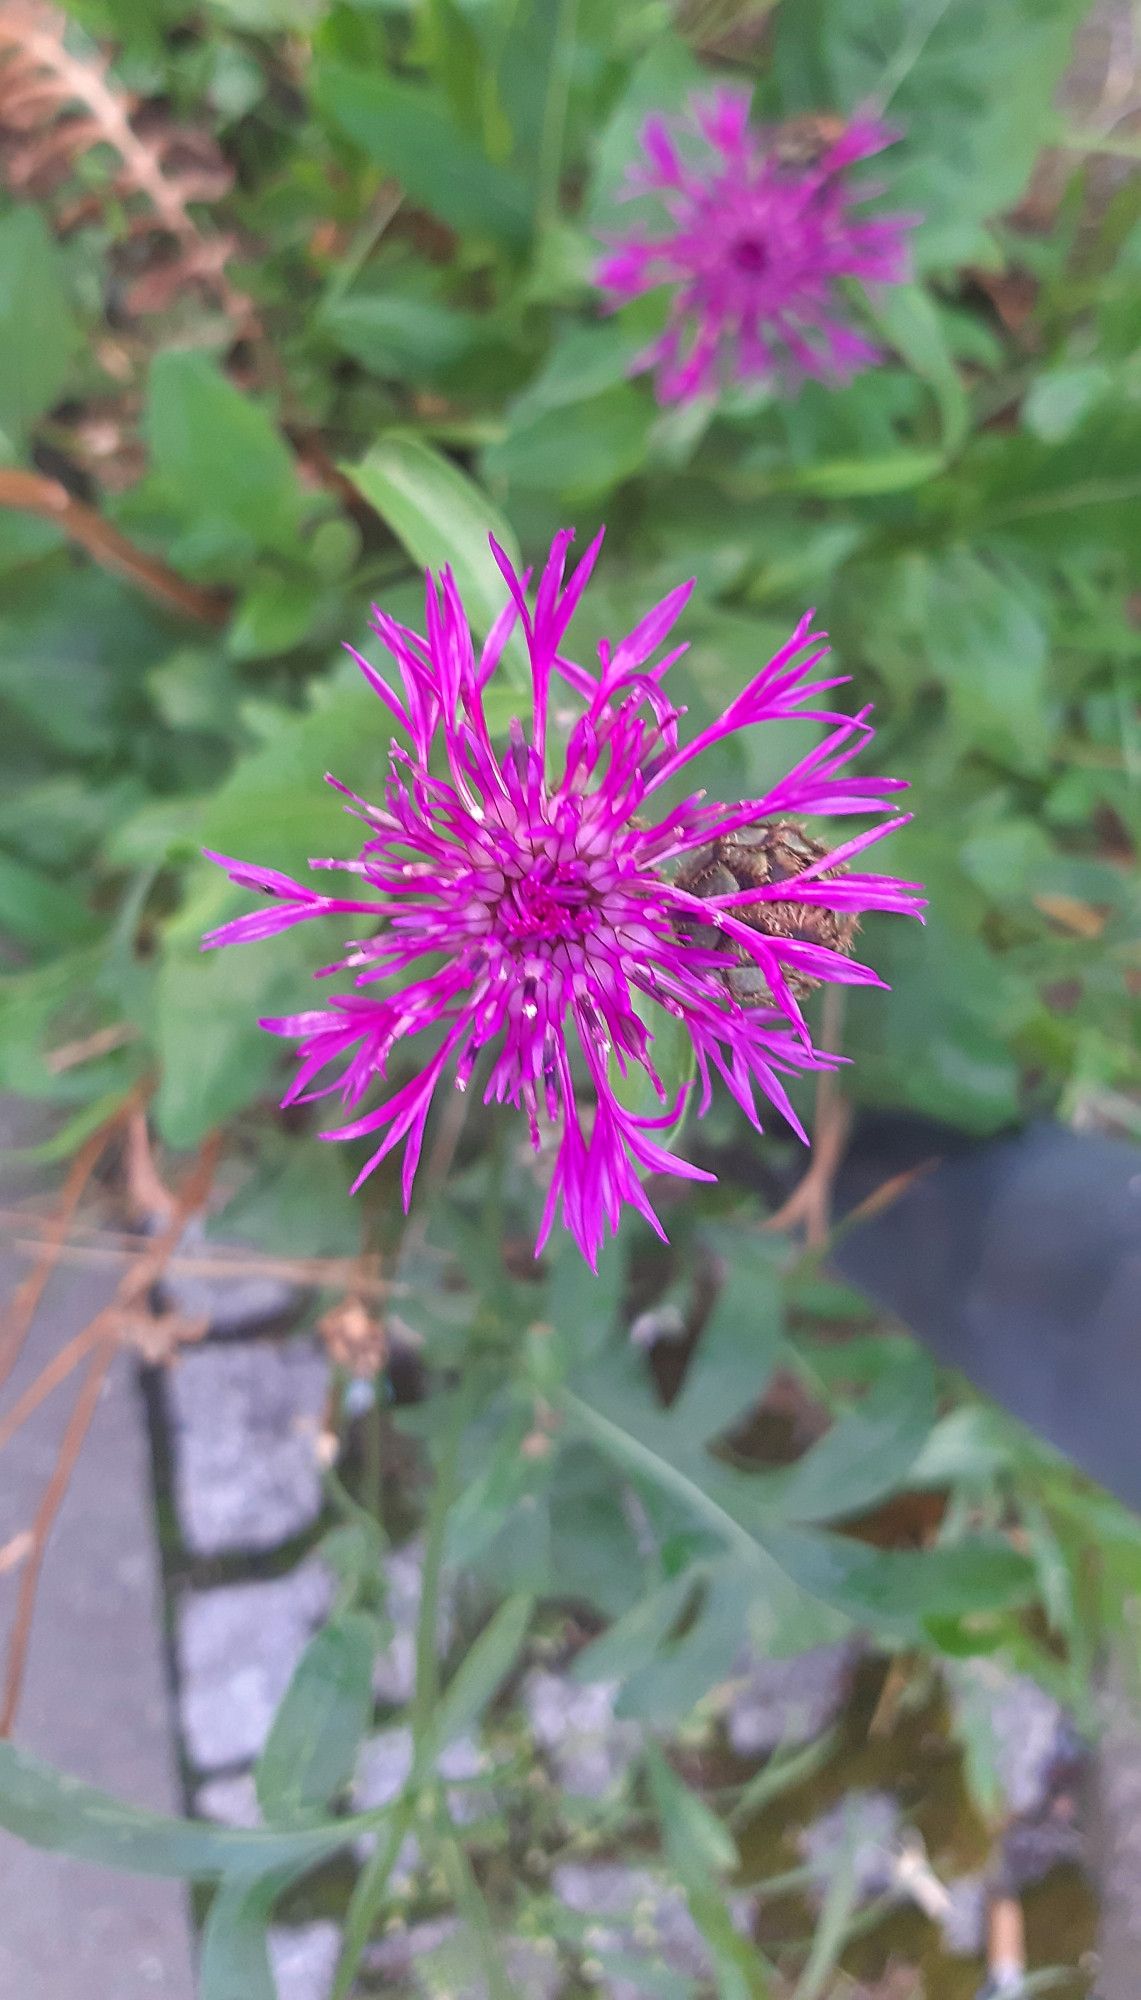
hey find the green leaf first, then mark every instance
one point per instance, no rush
(75, 648)
(214, 1057)
(738, 1347)
(38, 334)
(660, 81)
(634, 1638)
(275, 806)
(234, 1963)
(483, 1667)
(1083, 492)
(988, 645)
(971, 92)
(576, 453)
(273, 614)
(851, 478)
(695, 1839)
(217, 455)
(53, 1811)
(393, 334)
(411, 133)
(37, 911)
(866, 1455)
(441, 517)
(908, 318)
(316, 1733)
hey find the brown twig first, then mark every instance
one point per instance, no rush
(87, 1048)
(111, 1247)
(78, 1426)
(102, 1333)
(29, 1292)
(33, 493)
(56, 1371)
(810, 1203)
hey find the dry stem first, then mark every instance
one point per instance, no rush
(33, 493)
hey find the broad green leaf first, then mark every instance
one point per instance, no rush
(275, 807)
(312, 1745)
(51, 1810)
(483, 1667)
(969, 89)
(75, 648)
(35, 910)
(38, 334)
(634, 1638)
(988, 646)
(410, 132)
(896, 1590)
(576, 452)
(394, 334)
(866, 1455)
(217, 456)
(660, 81)
(738, 1346)
(273, 614)
(908, 318)
(442, 517)
(1083, 492)
(214, 1057)
(887, 1589)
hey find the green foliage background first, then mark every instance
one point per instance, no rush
(417, 355)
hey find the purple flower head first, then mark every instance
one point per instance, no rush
(523, 904)
(762, 229)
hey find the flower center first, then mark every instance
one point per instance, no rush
(750, 255)
(536, 910)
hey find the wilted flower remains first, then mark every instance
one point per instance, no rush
(524, 903)
(762, 229)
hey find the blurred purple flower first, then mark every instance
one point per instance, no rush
(521, 902)
(762, 230)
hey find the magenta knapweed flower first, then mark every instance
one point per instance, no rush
(762, 231)
(518, 903)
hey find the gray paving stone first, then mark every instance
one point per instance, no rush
(229, 1801)
(304, 1958)
(245, 1420)
(237, 1648)
(1028, 1735)
(588, 1747)
(230, 1305)
(862, 1831)
(636, 1913)
(439, 1955)
(96, 1702)
(775, 1703)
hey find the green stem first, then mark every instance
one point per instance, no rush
(638, 1457)
(472, 1905)
(555, 114)
(368, 1895)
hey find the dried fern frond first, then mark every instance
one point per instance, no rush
(59, 103)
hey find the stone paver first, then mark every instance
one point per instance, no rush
(776, 1703)
(237, 1648)
(96, 1699)
(588, 1747)
(245, 1419)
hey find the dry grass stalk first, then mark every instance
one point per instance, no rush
(59, 102)
(115, 1325)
